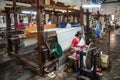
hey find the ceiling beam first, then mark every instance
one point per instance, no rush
(105, 2)
(57, 7)
(42, 5)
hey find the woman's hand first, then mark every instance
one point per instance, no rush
(73, 49)
(86, 46)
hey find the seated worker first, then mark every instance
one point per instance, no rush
(33, 23)
(78, 44)
(20, 25)
(49, 22)
(68, 25)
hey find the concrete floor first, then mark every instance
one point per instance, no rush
(13, 70)
(112, 73)
(115, 57)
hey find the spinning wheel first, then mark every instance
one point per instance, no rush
(56, 49)
(89, 55)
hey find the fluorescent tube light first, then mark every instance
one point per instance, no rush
(91, 6)
(29, 12)
(112, 17)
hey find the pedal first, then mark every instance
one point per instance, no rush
(83, 78)
(100, 74)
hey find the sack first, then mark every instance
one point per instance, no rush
(104, 60)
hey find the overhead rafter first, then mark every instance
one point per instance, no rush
(107, 1)
(58, 5)
(26, 1)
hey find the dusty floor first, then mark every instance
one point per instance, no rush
(112, 73)
(115, 57)
(13, 70)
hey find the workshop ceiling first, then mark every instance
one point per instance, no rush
(73, 2)
(79, 2)
(109, 6)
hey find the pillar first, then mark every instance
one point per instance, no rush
(87, 25)
(67, 15)
(8, 24)
(81, 20)
(40, 36)
(15, 15)
(98, 15)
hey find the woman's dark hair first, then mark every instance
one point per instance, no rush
(78, 33)
(21, 20)
(49, 19)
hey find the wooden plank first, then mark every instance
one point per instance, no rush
(84, 78)
(26, 1)
(51, 62)
(29, 62)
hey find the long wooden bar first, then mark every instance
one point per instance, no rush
(33, 64)
(43, 5)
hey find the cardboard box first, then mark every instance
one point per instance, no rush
(104, 60)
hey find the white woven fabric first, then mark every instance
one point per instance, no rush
(65, 36)
(2, 5)
(118, 32)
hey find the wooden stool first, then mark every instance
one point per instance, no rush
(73, 60)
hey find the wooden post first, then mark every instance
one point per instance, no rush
(29, 19)
(73, 17)
(78, 18)
(109, 40)
(53, 16)
(63, 17)
(87, 24)
(67, 15)
(57, 19)
(50, 16)
(8, 23)
(40, 37)
(15, 15)
(105, 18)
(98, 15)
(81, 16)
